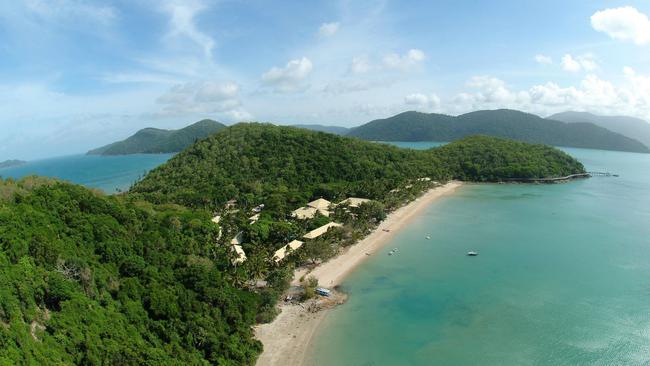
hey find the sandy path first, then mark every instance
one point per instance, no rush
(286, 340)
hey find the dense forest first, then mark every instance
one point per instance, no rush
(146, 278)
(157, 141)
(416, 126)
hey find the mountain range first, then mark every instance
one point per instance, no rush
(158, 141)
(516, 125)
(631, 127)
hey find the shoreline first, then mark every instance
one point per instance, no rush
(287, 339)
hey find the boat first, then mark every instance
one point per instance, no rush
(390, 253)
(428, 237)
(472, 254)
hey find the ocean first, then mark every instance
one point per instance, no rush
(562, 278)
(111, 174)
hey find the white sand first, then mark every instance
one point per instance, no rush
(286, 340)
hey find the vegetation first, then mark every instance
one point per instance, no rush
(482, 158)
(415, 126)
(157, 141)
(147, 278)
(337, 130)
(631, 127)
(11, 163)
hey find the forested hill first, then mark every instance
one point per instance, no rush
(631, 127)
(284, 167)
(156, 141)
(337, 130)
(415, 126)
(133, 279)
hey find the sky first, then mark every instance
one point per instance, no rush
(78, 74)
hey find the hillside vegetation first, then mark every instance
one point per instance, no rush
(146, 278)
(415, 126)
(284, 166)
(157, 141)
(631, 127)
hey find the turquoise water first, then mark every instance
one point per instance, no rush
(108, 173)
(562, 278)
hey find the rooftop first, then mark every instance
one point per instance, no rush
(282, 252)
(354, 201)
(320, 204)
(321, 230)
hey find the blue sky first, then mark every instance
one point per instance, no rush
(76, 74)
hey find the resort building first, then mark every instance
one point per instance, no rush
(425, 179)
(216, 219)
(285, 250)
(253, 219)
(308, 212)
(321, 230)
(354, 202)
(241, 256)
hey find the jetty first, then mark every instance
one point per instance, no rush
(561, 179)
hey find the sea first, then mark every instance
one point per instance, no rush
(562, 278)
(111, 174)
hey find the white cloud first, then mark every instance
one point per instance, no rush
(625, 24)
(404, 62)
(584, 62)
(290, 78)
(328, 29)
(204, 97)
(359, 65)
(594, 94)
(182, 23)
(543, 59)
(423, 101)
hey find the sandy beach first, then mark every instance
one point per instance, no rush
(286, 340)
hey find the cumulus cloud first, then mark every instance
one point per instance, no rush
(204, 97)
(423, 101)
(290, 78)
(543, 59)
(182, 23)
(404, 62)
(584, 62)
(625, 24)
(328, 29)
(359, 65)
(592, 94)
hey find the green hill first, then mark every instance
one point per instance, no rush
(286, 166)
(631, 127)
(134, 279)
(12, 163)
(415, 126)
(156, 141)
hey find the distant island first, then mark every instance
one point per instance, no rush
(634, 128)
(12, 163)
(526, 127)
(179, 269)
(337, 130)
(158, 141)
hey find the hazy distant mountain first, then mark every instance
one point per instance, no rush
(337, 130)
(156, 141)
(12, 163)
(628, 126)
(415, 126)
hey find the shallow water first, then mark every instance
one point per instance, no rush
(108, 173)
(562, 278)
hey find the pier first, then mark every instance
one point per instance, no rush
(561, 179)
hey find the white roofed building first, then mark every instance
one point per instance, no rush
(321, 230)
(354, 201)
(320, 204)
(241, 255)
(285, 250)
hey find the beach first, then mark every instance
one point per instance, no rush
(286, 340)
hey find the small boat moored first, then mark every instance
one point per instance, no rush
(472, 253)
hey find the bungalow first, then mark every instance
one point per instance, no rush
(308, 212)
(258, 209)
(253, 219)
(216, 219)
(241, 256)
(282, 252)
(354, 202)
(425, 179)
(321, 230)
(238, 239)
